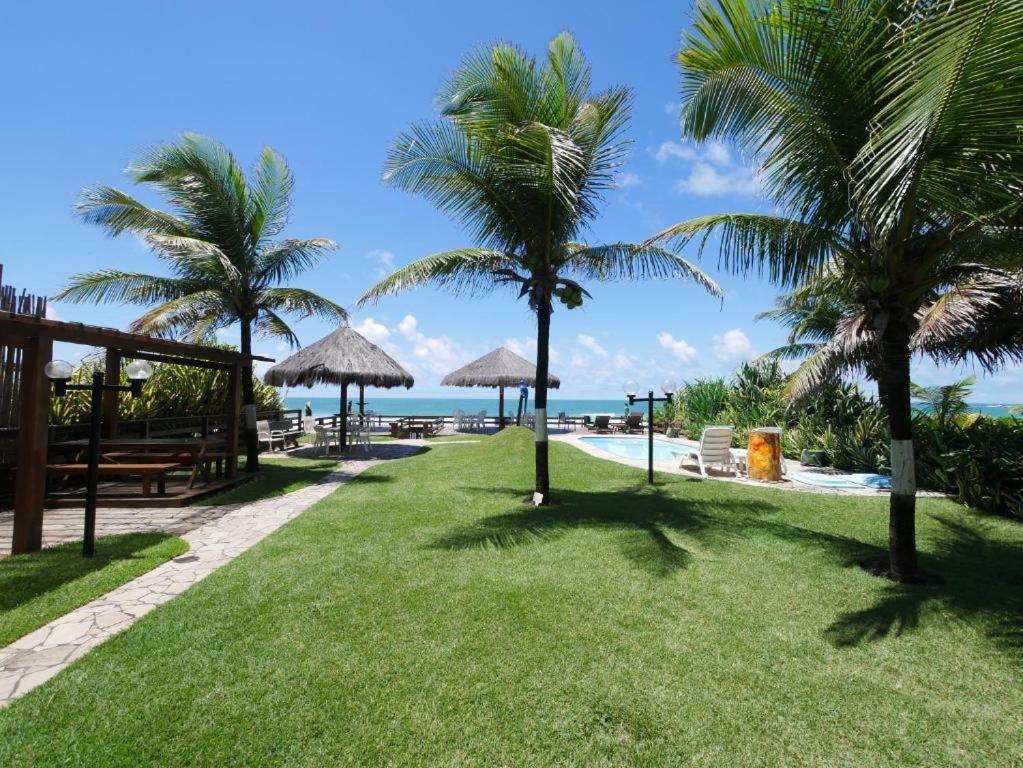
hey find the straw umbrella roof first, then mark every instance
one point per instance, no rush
(342, 357)
(500, 368)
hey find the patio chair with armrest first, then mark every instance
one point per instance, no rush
(269, 436)
(715, 449)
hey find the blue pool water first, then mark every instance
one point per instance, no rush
(633, 447)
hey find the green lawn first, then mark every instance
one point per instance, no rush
(423, 615)
(277, 476)
(39, 587)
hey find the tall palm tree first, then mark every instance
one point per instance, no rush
(888, 137)
(521, 157)
(218, 240)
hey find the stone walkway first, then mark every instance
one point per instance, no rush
(229, 531)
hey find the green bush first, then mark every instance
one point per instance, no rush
(698, 404)
(977, 460)
(172, 390)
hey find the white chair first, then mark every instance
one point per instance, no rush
(481, 421)
(309, 425)
(269, 436)
(323, 439)
(357, 435)
(714, 450)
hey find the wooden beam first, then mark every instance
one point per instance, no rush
(234, 406)
(33, 420)
(155, 358)
(111, 399)
(91, 335)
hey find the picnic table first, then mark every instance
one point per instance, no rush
(198, 452)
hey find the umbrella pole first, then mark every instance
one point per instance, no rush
(343, 425)
(362, 399)
(500, 408)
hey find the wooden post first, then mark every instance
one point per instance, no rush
(343, 424)
(30, 484)
(500, 408)
(110, 399)
(362, 399)
(234, 400)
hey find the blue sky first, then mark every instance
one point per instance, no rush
(330, 85)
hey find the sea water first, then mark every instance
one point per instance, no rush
(445, 406)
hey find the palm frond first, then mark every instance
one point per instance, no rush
(270, 196)
(786, 250)
(301, 302)
(628, 261)
(286, 259)
(272, 325)
(117, 212)
(112, 285)
(462, 270)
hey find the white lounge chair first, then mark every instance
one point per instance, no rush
(269, 436)
(714, 450)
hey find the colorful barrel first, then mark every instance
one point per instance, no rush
(763, 460)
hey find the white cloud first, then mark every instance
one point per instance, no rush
(433, 354)
(579, 361)
(732, 346)
(717, 152)
(408, 327)
(384, 261)
(680, 348)
(623, 362)
(672, 149)
(672, 108)
(372, 330)
(629, 179)
(591, 344)
(526, 347)
(704, 180)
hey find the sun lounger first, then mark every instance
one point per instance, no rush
(714, 450)
(602, 424)
(633, 423)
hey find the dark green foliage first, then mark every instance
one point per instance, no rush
(172, 390)
(976, 460)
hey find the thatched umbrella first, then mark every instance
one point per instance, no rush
(500, 368)
(343, 357)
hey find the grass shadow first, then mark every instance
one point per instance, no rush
(653, 521)
(26, 577)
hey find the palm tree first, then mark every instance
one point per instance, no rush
(945, 402)
(888, 139)
(521, 157)
(218, 241)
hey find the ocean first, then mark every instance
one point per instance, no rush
(445, 406)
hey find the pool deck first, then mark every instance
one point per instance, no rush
(668, 467)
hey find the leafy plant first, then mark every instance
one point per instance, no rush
(172, 390)
(887, 135)
(946, 402)
(221, 243)
(522, 157)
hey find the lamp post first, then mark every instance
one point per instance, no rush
(668, 388)
(59, 371)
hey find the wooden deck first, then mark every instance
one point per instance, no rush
(128, 493)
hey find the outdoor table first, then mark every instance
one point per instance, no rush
(191, 449)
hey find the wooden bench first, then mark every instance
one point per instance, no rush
(147, 472)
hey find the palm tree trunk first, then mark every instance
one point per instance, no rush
(543, 338)
(249, 403)
(894, 391)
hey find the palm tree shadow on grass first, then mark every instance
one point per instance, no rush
(982, 577)
(654, 523)
(982, 573)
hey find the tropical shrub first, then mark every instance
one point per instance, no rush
(173, 390)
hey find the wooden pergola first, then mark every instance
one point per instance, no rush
(35, 336)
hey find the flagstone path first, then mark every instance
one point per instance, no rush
(39, 655)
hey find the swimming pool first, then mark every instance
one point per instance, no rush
(633, 447)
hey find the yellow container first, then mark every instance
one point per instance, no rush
(763, 459)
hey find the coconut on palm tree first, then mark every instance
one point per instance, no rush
(888, 137)
(521, 157)
(219, 241)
